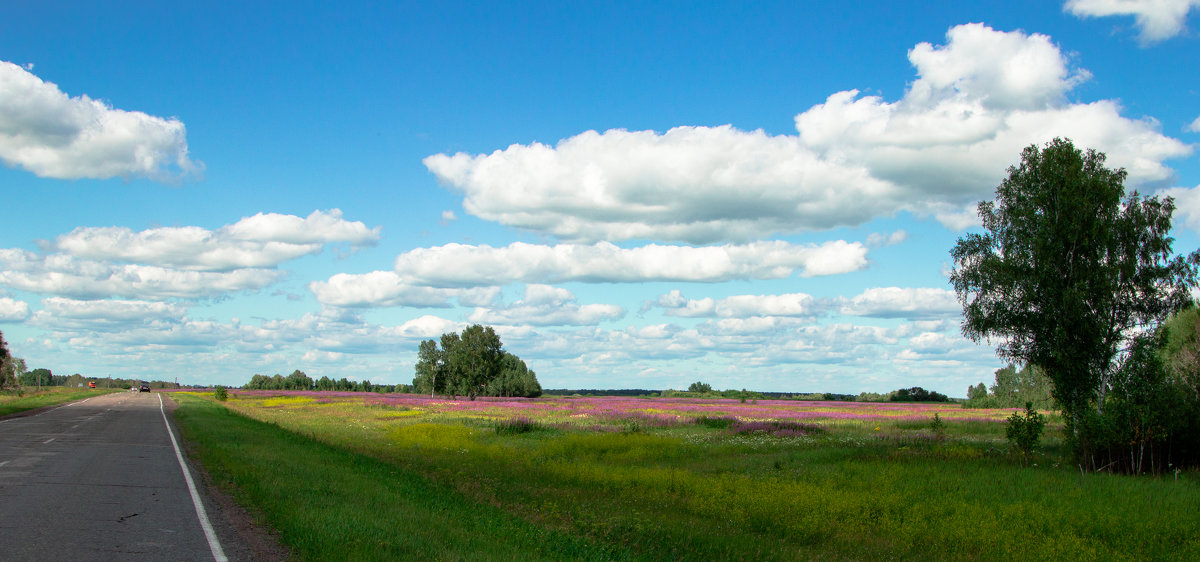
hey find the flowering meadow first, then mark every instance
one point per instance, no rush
(704, 479)
(607, 413)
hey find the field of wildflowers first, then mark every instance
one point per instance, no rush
(685, 478)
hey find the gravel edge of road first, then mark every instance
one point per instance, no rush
(228, 517)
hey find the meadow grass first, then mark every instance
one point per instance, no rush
(33, 399)
(860, 488)
(330, 503)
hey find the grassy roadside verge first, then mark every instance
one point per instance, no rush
(866, 490)
(12, 404)
(328, 503)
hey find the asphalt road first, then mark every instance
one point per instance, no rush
(100, 479)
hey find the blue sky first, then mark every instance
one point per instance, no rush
(636, 195)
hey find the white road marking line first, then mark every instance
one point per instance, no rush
(47, 442)
(2, 463)
(214, 545)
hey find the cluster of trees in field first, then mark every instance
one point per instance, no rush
(1077, 278)
(1014, 388)
(299, 380)
(472, 364)
(911, 394)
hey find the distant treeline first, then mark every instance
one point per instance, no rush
(44, 377)
(298, 380)
(748, 394)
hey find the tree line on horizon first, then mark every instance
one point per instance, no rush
(15, 378)
(299, 380)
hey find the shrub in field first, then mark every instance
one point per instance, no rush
(1025, 430)
(515, 426)
(776, 428)
(938, 427)
(220, 393)
(716, 422)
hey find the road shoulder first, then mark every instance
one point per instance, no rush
(250, 540)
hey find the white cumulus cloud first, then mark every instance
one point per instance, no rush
(693, 184)
(741, 306)
(1156, 19)
(459, 265)
(386, 288)
(544, 305)
(45, 131)
(976, 103)
(1187, 205)
(319, 227)
(263, 240)
(903, 302)
(12, 310)
(112, 309)
(64, 275)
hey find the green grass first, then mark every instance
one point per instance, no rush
(692, 492)
(329, 503)
(32, 399)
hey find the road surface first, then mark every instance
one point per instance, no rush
(100, 479)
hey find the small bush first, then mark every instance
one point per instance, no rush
(715, 422)
(1024, 431)
(516, 426)
(939, 427)
(220, 393)
(776, 428)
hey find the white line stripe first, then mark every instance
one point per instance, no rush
(2, 463)
(214, 545)
(47, 442)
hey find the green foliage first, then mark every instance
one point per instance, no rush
(472, 364)
(938, 426)
(917, 394)
(1149, 421)
(1180, 351)
(700, 388)
(1024, 431)
(978, 392)
(8, 378)
(220, 393)
(720, 422)
(1013, 388)
(298, 380)
(516, 426)
(514, 379)
(1067, 268)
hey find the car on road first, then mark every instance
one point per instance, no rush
(145, 387)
